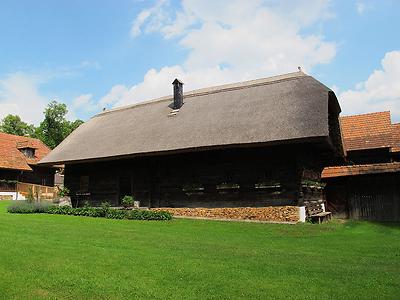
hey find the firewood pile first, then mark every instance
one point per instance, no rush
(272, 213)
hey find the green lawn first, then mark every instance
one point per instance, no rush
(67, 257)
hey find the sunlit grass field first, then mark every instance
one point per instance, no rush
(66, 257)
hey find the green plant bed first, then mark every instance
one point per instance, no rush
(25, 207)
(105, 211)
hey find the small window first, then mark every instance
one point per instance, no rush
(28, 152)
(84, 184)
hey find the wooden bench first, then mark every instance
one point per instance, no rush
(314, 210)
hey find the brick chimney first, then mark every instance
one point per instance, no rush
(178, 93)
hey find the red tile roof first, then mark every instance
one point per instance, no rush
(367, 131)
(396, 137)
(341, 171)
(12, 158)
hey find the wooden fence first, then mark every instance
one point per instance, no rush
(40, 192)
(6, 186)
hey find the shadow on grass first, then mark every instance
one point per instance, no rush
(354, 224)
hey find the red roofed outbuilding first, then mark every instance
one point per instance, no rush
(368, 186)
(19, 156)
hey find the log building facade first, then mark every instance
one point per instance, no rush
(251, 144)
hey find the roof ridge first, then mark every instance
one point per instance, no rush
(367, 114)
(18, 136)
(24, 137)
(215, 89)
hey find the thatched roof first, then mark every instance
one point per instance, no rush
(284, 108)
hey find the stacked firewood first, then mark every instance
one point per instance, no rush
(272, 213)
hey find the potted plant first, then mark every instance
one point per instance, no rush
(65, 199)
(127, 201)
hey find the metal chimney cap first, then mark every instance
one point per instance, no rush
(177, 81)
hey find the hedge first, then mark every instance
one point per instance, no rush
(23, 207)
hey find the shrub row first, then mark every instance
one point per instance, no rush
(78, 211)
(138, 215)
(98, 212)
(24, 207)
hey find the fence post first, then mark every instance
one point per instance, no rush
(16, 190)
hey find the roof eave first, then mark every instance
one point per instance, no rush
(16, 169)
(322, 140)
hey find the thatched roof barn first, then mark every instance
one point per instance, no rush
(282, 109)
(244, 134)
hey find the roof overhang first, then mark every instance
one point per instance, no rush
(355, 170)
(13, 169)
(321, 142)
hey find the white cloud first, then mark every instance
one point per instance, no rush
(84, 103)
(19, 95)
(363, 6)
(159, 83)
(335, 89)
(154, 17)
(229, 40)
(360, 6)
(117, 92)
(381, 91)
(88, 64)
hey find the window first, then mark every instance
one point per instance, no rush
(28, 152)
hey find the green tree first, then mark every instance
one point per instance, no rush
(75, 124)
(55, 127)
(14, 125)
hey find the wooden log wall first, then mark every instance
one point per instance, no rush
(374, 197)
(38, 175)
(254, 177)
(369, 197)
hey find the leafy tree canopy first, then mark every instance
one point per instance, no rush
(55, 127)
(14, 125)
(51, 131)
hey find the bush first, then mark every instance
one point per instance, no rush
(127, 201)
(105, 207)
(148, 215)
(79, 211)
(110, 213)
(60, 210)
(25, 207)
(116, 214)
(63, 191)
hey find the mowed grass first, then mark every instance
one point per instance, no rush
(67, 257)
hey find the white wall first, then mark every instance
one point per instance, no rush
(14, 195)
(302, 213)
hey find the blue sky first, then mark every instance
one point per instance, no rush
(94, 54)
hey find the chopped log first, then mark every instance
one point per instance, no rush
(271, 213)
